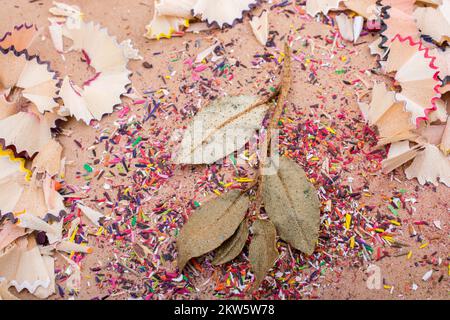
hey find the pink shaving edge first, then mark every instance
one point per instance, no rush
(86, 56)
(89, 81)
(412, 43)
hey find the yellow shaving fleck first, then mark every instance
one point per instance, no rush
(72, 239)
(424, 245)
(10, 155)
(164, 35)
(72, 236)
(348, 219)
(99, 231)
(19, 212)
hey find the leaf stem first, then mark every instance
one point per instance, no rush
(286, 82)
(284, 87)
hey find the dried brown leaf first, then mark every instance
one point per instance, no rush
(292, 205)
(211, 225)
(231, 248)
(220, 128)
(263, 250)
(286, 83)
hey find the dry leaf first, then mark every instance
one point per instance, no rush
(263, 250)
(260, 27)
(435, 22)
(211, 225)
(313, 7)
(293, 206)
(222, 12)
(416, 74)
(285, 87)
(430, 165)
(231, 248)
(220, 128)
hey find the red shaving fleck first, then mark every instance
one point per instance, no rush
(86, 57)
(88, 82)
